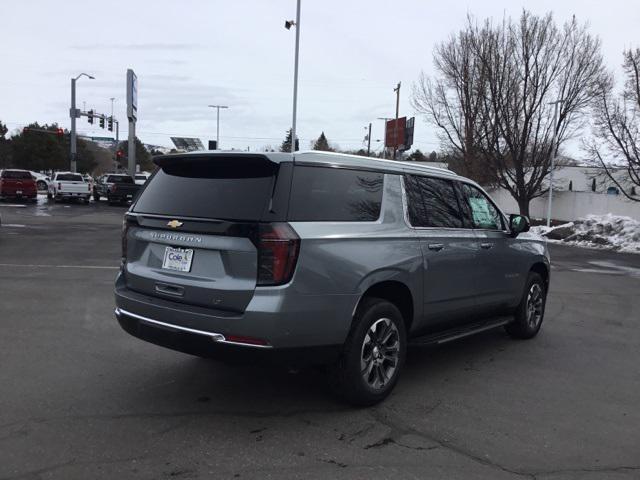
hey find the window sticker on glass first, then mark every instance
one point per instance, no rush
(482, 215)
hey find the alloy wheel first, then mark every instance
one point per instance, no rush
(535, 300)
(380, 353)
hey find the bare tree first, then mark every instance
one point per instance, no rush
(616, 127)
(491, 100)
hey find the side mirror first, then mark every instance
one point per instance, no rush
(518, 224)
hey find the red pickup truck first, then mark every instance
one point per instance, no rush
(17, 184)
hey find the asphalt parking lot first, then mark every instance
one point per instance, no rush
(81, 399)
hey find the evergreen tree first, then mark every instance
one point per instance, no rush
(33, 149)
(5, 147)
(322, 144)
(417, 156)
(143, 158)
(286, 145)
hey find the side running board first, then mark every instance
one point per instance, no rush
(459, 332)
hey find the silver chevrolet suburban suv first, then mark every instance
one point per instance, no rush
(323, 258)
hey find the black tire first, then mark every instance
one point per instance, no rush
(96, 197)
(530, 313)
(41, 185)
(49, 196)
(348, 377)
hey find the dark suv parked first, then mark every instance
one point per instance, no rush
(325, 258)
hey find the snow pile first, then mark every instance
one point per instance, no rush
(597, 231)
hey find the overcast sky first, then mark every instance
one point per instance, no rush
(188, 54)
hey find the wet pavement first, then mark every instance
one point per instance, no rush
(82, 399)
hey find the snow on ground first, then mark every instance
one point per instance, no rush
(611, 232)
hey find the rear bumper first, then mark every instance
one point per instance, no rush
(296, 329)
(29, 195)
(213, 345)
(73, 194)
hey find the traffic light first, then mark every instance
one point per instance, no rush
(59, 133)
(101, 122)
(110, 124)
(90, 116)
(119, 154)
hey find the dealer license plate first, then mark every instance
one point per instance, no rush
(178, 259)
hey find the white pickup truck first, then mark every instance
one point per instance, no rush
(68, 185)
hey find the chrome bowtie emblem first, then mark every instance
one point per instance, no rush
(174, 224)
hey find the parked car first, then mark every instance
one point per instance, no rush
(42, 181)
(327, 258)
(17, 184)
(118, 188)
(69, 186)
(141, 178)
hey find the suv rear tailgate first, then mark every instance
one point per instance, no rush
(222, 271)
(207, 209)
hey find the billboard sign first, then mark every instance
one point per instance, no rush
(132, 95)
(394, 136)
(408, 134)
(187, 144)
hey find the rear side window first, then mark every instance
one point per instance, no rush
(433, 202)
(16, 175)
(69, 177)
(320, 194)
(119, 179)
(484, 214)
(221, 188)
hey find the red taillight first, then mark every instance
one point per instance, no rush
(278, 247)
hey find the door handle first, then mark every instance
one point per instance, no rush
(486, 245)
(169, 289)
(436, 246)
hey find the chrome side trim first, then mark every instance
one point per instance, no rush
(216, 337)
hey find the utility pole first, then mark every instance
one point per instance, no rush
(115, 148)
(395, 127)
(554, 153)
(218, 107)
(369, 141)
(288, 24)
(74, 113)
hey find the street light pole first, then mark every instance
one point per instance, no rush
(218, 107)
(288, 25)
(73, 113)
(554, 153)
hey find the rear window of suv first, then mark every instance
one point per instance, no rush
(222, 188)
(69, 177)
(119, 179)
(16, 175)
(335, 194)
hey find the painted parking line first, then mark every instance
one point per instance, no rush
(37, 265)
(14, 205)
